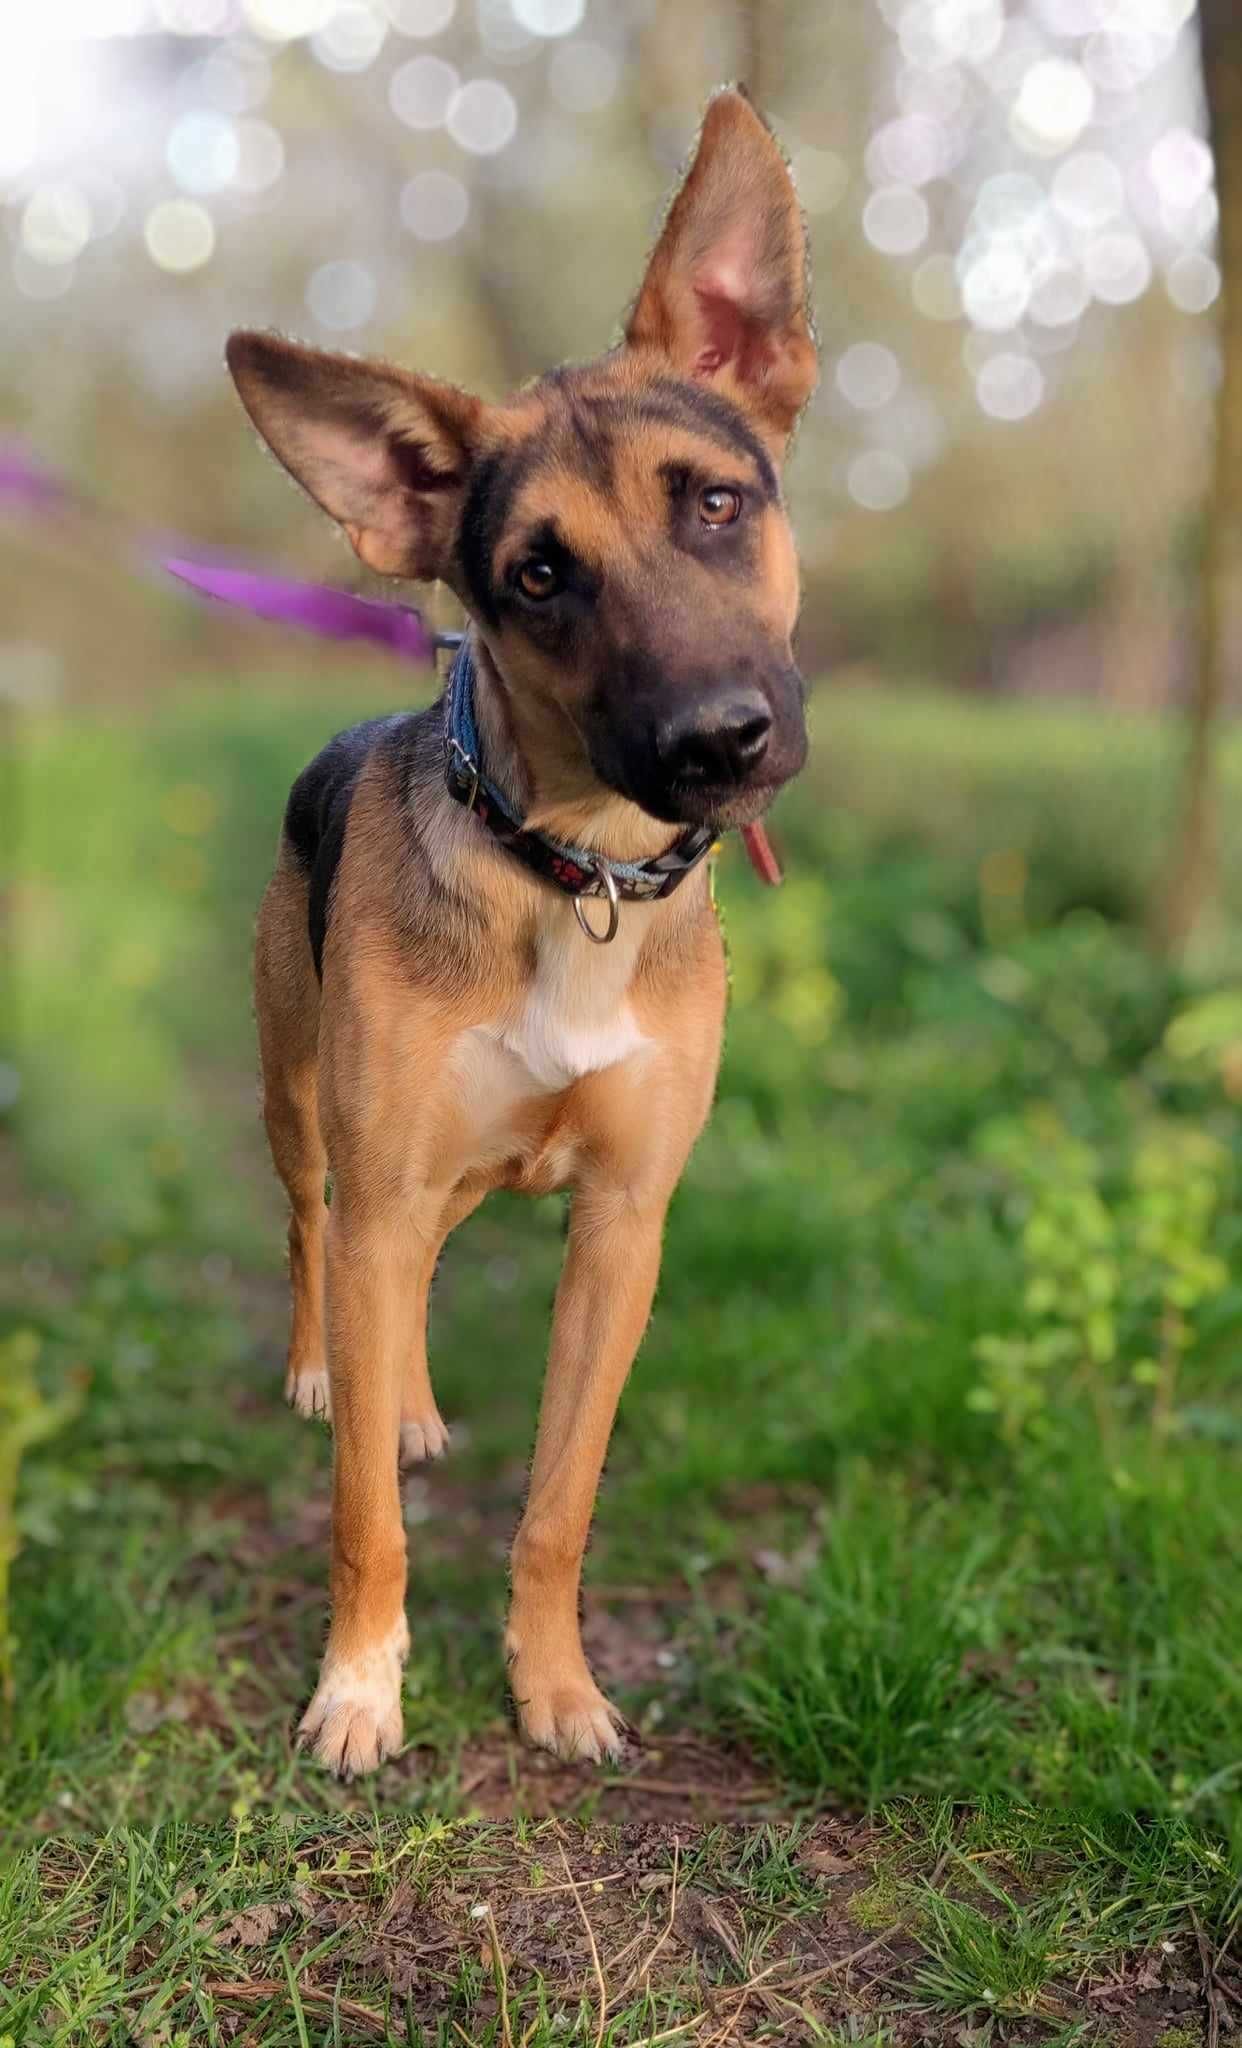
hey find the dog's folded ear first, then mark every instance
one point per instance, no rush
(725, 294)
(385, 452)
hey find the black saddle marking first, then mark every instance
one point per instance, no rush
(318, 812)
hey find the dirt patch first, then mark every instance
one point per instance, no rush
(679, 1779)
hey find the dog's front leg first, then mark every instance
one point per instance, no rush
(377, 1262)
(602, 1306)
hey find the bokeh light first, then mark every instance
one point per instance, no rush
(1088, 189)
(195, 17)
(180, 235)
(420, 17)
(342, 295)
(878, 480)
(1060, 298)
(56, 223)
(1054, 105)
(421, 90)
(1117, 267)
(582, 76)
(38, 280)
(482, 116)
(549, 17)
(234, 80)
(996, 288)
(868, 375)
(1193, 282)
(909, 151)
(434, 206)
(283, 20)
(203, 152)
(1009, 386)
(352, 38)
(896, 220)
(260, 156)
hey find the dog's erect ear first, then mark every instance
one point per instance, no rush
(724, 298)
(385, 452)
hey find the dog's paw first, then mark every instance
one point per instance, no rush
(354, 1721)
(422, 1436)
(308, 1392)
(573, 1720)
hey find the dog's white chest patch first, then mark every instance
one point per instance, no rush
(576, 1017)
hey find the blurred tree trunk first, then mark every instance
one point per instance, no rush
(1137, 651)
(1195, 865)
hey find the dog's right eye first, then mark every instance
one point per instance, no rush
(537, 578)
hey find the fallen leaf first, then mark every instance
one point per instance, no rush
(252, 1927)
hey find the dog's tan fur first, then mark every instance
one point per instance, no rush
(466, 1036)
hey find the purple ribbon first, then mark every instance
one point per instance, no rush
(333, 614)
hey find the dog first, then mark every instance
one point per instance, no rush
(489, 956)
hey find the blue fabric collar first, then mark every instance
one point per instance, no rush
(575, 869)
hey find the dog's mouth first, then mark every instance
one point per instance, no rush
(722, 802)
(719, 805)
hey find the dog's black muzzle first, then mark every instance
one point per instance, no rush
(714, 756)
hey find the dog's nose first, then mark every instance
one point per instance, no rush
(715, 742)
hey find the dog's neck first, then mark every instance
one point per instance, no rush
(536, 758)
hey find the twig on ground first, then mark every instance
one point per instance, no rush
(645, 1969)
(545, 1891)
(722, 2034)
(502, 1976)
(738, 1992)
(590, 1935)
(1211, 1992)
(715, 1921)
(671, 2033)
(258, 1988)
(686, 1788)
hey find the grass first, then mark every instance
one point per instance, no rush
(419, 1931)
(924, 1490)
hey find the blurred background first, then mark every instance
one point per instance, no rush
(1013, 213)
(952, 1294)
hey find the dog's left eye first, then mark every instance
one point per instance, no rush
(537, 578)
(719, 505)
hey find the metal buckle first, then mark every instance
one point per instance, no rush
(609, 880)
(471, 768)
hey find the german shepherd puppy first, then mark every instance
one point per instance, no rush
(434, 1020)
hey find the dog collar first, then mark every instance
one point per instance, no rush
(572, 868)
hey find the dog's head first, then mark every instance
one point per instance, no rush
(616, 531)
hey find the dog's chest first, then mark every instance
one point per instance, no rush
(575, 1017)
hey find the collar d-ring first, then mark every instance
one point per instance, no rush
(606, 937)
(470, 767)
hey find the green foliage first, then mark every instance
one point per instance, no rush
(855, 1681)
(1136, 1260)
(27, 1418)
(977, 1962)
